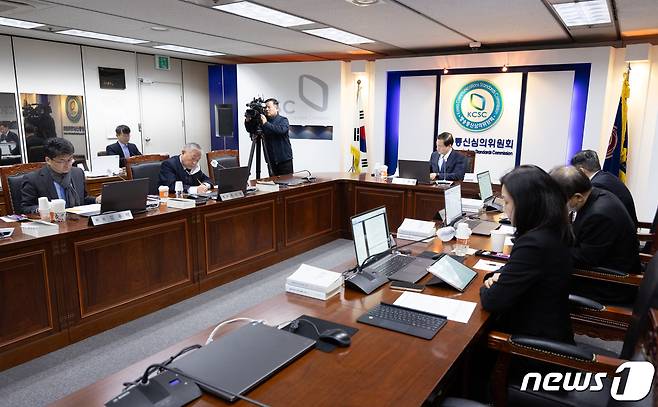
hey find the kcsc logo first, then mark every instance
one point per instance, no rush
(478, 105)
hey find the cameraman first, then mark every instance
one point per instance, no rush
(277, 142)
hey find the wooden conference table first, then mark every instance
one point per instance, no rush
(380, 367)
(82, 280)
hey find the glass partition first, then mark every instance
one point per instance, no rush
(47, 116)
(10, 142)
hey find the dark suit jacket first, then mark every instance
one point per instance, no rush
(115, 149)
(605, 237)
(607, 181)
(453, 170)
(172, 170)
(13, 137)
(40, 183)
(277, 140)
(532, 293)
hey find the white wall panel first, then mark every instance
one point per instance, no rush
(417, 101)
(547, 115)
(196, 102)
(49, 68)
(108, 108)
(7, 78)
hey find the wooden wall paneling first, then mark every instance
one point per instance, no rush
(131, 272)
(239, 234)
(427, 204)
(29, 312)
(308, 214)
(367, 198)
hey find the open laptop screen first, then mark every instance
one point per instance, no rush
(453, 198)
(370, 231)
(484, 182)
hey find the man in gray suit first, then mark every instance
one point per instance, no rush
(59, 179)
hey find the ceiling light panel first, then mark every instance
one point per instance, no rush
(264, 14)
(335, 34)
(99, 36)
(187, 50)
(10, 22)
(583, 13)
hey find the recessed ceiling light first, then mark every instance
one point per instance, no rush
(339, 35)
(264, 14)
(99, 36)
(583, 12)
(158, 28)
(10, 22)
(187, 50)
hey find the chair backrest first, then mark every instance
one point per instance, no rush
(12, 182)
(470, 159)
(646, 298)
(225, 158)
(101, 153)
(36, 154)
(146, 166)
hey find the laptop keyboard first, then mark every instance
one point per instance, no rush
(399, 319)
(392, 265)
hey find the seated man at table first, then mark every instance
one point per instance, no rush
(185, 167)
(58, 179)
(605, 235)
(11, 139)
(123, 147)
(445, 163)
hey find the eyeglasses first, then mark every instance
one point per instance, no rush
(63, 161)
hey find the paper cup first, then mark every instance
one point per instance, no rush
(497, 240)
(59, 209)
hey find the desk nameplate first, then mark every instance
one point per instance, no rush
(227, 196)
(106, 218)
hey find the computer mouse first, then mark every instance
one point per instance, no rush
(336, 336)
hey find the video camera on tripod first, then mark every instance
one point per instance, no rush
(252, 122)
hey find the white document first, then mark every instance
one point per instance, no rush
(404, 181)
(488, 265)
(470, 251)
(84, 209)
(470, 177)
(508, 241)
(454, 310)
(507, 229)
(416, 228)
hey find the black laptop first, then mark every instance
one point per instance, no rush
(231, 179)
(486, 191)
(371, 237)
(130, 195)
(241, 359)
(418, 170)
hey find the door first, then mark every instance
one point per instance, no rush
(162, 123)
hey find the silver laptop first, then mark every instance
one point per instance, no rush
(371, 237)
(454, 214)
(486, 191)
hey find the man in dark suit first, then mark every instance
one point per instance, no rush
(588, 162)
(8, 136)
(276, 139)
(605, 235)
(446, 163)
(185, 167)
(58, 179)
(123, 148)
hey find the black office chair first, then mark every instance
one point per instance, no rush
(583, 357)
(12, 184)
(36, 154)
(224, 158)
(101, 153)
(146, 166)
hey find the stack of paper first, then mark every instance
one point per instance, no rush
(472, 205)
(414, 229)
(314, 282)
(454, 310)
(39, 228)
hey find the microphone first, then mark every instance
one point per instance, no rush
(215, 164)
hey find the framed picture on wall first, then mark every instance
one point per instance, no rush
(111, 78)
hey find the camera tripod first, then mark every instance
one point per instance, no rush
(258, 145)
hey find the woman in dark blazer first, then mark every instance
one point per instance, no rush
(530, 294)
